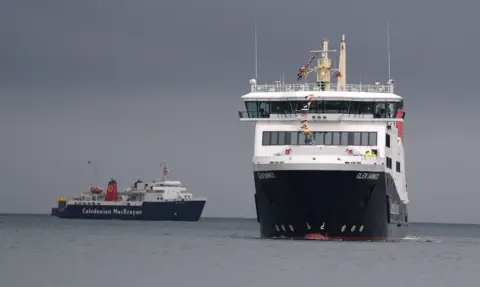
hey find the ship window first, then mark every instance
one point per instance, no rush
(380, 110)
(336, 138)
(343, 138)
(274, 138)
(302, 139)
(264, 109)
(356, 138)
(252, 109)
(364, 139)
(390, 110)
(387, 140)
(282, 136)
(319, 138)
(372, 139)
(365, 108)
(389, 162)
(336, 107)
(316, 107)
(328, 138)
(266, 138)
(398, 166)
(281, 108)
(294, 138)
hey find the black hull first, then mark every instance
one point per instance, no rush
(148, 211)
(329, 204)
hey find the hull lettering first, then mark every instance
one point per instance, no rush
(368, 176)
(115, 211)
(265, 175)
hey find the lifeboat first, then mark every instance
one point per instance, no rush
(95, 190)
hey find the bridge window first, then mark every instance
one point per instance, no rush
(263, 109)
(320, 138)
(385, 110)
(389, 163)
(387, 140)
(258, 109)
(398, 166)
(281, 107)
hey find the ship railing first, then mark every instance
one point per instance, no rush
(275, 88)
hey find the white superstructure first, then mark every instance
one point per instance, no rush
(328, 126)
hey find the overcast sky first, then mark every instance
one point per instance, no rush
(134, 83)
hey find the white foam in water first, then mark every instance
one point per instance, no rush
(422, 239)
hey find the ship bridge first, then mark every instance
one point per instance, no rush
(290, 102)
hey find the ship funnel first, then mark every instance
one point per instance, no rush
(342, 67)
(112, 193)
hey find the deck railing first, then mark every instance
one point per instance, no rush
(275, 88)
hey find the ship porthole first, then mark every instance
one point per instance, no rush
(277, 228)
(353, 228)
(343, 228)
(361, 228)
(291, 227)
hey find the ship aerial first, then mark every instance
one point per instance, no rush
(162, 200)
(329, 158)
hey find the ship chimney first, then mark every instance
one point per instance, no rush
(342, 67)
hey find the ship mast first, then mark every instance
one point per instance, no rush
(342, 67)
(323, 67)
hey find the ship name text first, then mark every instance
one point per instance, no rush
(265, 175)
(368, 175)
(115, 211)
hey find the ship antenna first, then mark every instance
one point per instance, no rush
(256, 50)
(388, 50)
(94, 163)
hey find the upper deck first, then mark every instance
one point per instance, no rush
(311, 87)
(352, 92)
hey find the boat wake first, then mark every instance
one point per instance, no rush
(422, 239)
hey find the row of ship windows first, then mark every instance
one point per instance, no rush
(259, 109)
(320, 138)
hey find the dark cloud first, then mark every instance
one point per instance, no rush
(134, 83)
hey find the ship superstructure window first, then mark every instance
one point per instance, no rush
(263, 109)
(389, 163)
(398, 166)
(320, 138)
(387, 140)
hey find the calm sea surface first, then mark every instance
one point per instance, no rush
(43, 251)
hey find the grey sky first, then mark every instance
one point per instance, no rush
(136, 82)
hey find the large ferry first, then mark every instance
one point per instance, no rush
(157, 200)
(329, 159)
